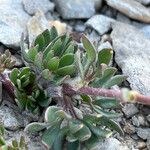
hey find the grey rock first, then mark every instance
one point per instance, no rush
(143, 133)
(111, 144)
(10, 119)
(132, 9)
(148, 118)
(101, 23)
(148, 144)
(145, 2)
(146, 31)
(33, 6)
(1, 90)
(13, 21)
(105, 45)
(123, 18)
(80, 27)
(130, 110)
(98, 4)
(132, 56)
(36, 25)
(135, 121)
(138, 25)
(75, 9)
(17, 58)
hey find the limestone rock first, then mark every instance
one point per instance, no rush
(132, 56)
(132, 9)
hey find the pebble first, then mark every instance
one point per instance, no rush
(100, 23)
(143, 133)
(130, 110)
(132, 9)
(128, 48)
(128, 128)
(75, 9)
(33, 6)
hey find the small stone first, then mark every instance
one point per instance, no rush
(80, 27)
(36, 25)
(144, 2)
(75, 9)
(141, 145)
(148, 118)
(33, 6)
(128, 48)
(132, 9)
(10, 119)
(98, 4)
(143, 133)
(130, 110)
(111, 144)
(135, 121)
(128, 128)
(101, 23)
(13, 21)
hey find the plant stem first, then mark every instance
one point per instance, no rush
(120, 95)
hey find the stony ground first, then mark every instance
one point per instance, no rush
(119, 24)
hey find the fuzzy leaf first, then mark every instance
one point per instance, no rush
(47, 37)
(53, 64)
(66, 60)
(33, 52)
(46, 74)
(40, 42)
(116, 80)
(53, 33)
(50, 135)
(24, 71)
(13, 75)
(106, 102)
(35, 127)
(73, 145)
(110, 124)
(91, 52)
(67, 70)
(105, 56)
(38, 61)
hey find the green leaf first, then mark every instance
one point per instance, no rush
(33, 52)
(92, 143)
(35, 127)
(106, 102)
(15, 143)
(66, 60)
(57, 47)
(53, 64)
(47, 37)
(70, 49)
(38, 61)
(53, 33)
(110, 124)
(40, 42)
(13, 75)
(98, 132)
(91, 52)
(105, 56)
(67, 70)
(50, 135)
(108, 73)
(116, 80)
(59, 141)
(24, 71)
(86, 98)
(75, 126)
(73, 145)
(19, 84)
(98, 110)
(83, 134)
(49, 55)
(46, 74)
(50, 115)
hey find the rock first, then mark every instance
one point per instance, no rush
(122, 18)
(101, 23)
(36, 25)
(79, 27)
(132, 9)
(135, 121)
(13, 21)
(128, 48)
(61, 27)
(1, 90)
(17, 58)
(130, 110)
(141, 145)
(75, 9)
(10, 119)
(148, 144)
(111, 144)
(143, 133)
(146, 31)
(145, 2)
(148, 118)
(128, 128)
(98, 4)
(33, 6)
(105, 45)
